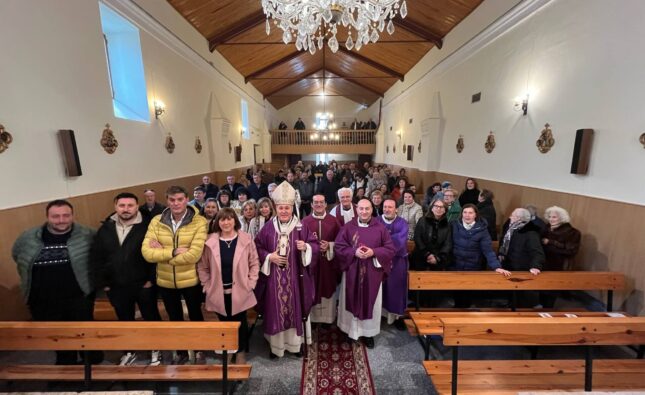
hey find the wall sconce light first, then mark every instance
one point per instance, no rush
(520, 104)
(160, 108)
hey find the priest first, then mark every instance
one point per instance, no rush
(325, 228)
(285, 291)
(395, 286)
(365, 251)
(345, 210)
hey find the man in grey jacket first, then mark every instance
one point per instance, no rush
(55, 273)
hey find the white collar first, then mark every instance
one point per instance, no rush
(388, 221)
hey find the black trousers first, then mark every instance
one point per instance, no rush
(172, 302)
(243, 331)
(124, 300)
(71, 309)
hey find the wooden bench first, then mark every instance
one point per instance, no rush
(500, 377)
(136, 335)
(429, 323)
(519, 281)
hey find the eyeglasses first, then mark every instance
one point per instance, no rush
(441, 207)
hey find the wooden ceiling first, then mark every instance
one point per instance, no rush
(236, 29)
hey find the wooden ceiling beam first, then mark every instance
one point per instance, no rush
(419, 30)
(370, 90)
(273, 65)
(422, 41)
(306, 77)
(248, 23)
(371, 63)
(316, 78)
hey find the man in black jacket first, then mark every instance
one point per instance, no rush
(120, 269)
(328, 186)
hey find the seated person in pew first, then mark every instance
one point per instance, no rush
(229, 287)
(433, 246)
(520, 250)
(471, 241)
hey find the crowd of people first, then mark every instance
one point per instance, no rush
(313, 244)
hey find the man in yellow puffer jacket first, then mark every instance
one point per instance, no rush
(175, 241)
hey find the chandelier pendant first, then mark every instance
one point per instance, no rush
(311, 22)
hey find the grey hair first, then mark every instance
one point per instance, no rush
(523, 214)
(532, 209)
(343, 190)
(562, 213)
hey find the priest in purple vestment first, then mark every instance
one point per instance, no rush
(365, 251)
(395, 286)
(327, 275)
(288, 254)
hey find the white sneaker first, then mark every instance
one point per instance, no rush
(155, 358)
(128, 359)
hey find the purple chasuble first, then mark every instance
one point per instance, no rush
(395, 286)
(362, 278)
(278, 294)
(328, 274)
(339, 215)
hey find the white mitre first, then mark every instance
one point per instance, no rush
(284, 194)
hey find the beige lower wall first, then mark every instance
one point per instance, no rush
(611, 231)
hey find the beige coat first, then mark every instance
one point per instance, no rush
(246, 267)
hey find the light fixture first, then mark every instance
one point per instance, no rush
(522, 105)
(314, 21)
(160, 108)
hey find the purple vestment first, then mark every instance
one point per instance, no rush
(395, 286)
(327, 275)
(362, 278)
(278, 294)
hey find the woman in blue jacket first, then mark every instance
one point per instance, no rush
(470, 242)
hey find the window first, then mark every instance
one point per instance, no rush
(321, 158)
(125, 66)
(246, 130)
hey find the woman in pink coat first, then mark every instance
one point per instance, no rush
(228, 271)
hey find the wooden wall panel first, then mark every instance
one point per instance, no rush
(89, 210)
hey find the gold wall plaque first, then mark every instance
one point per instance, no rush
(489, 145)
(170, 144)
(5, 139)
(546, 140)
(419, 148)
(642, 140)
(108, 141)
(460, 144)
(387, 149)
(404, 148)
(198, 145)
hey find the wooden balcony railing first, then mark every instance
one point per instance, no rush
(316, 141)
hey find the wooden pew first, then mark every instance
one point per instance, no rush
(429, 323)
(120, 335)
(501, 377)
(519, 281)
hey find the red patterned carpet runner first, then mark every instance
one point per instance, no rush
(336, 366)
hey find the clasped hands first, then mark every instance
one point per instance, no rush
(364, 252)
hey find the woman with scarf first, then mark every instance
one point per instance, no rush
(249, 210)
(520, 250)
(410, 211)
(266, 211)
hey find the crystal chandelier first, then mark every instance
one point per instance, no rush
(312, 22)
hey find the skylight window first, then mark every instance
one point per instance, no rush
(246, 131)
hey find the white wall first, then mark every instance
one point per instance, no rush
(307, 107)
(330, 157)
(580, 61)
(54, 76)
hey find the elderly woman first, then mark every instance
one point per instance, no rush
(520, 249)
(410, 211)
(560, 240)
(266, 211)
(228, 287)
(249, 210)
